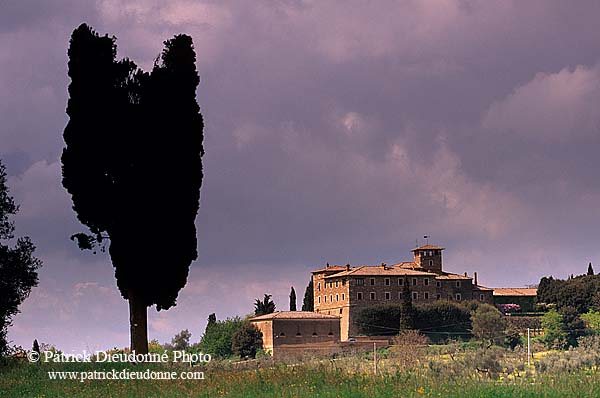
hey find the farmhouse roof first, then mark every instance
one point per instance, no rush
(515, 291)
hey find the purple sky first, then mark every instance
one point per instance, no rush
(334, 132)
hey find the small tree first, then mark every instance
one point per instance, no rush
(308, 304)
(554, 334)
(266, 306)
(181, 341)
(292, 299)
(488, 324)
(36, 346)
(246, 341)
(590, 270)
(218, 338)
(18, 266)
(212, 319)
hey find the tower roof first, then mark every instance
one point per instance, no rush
(428, 247)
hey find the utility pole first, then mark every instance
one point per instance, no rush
(375, 357)
(528, 349)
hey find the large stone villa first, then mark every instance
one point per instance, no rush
(341, 291)
(344, 290)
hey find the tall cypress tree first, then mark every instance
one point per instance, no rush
(590, 270)
(132, 164)
(407, 312)
(292, 299)
(308, 304)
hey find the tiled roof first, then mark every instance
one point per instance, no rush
(332, 268)
(483, 288)
(428, 247)
(515, 291)
(374, 270)
(293, 315)
(448, 275)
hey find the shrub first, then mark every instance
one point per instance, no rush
(442, 320)
(381, 319)
(218, 337)
(246, 341)
(554, 334)
(488, 324)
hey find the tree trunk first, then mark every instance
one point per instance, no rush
(138, 322)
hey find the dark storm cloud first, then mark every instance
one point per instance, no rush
(332, 134)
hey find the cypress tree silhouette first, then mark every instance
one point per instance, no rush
(132, 164)
(292, 299)
(308, 303)
(590, 270)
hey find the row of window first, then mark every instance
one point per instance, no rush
(337, 298)
(430, 252)
(388, 296)
(401, 281)
(330, 284)
(415, 296)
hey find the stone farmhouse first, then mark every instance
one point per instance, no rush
(343, 290)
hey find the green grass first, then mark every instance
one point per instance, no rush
(316, 379)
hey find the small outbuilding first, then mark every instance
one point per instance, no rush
(293, 333)
(524, 297)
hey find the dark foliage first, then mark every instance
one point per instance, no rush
(266, 306)
(132, 163)
(380, 319)
(212, 319)
(407, 315)
(577, 292)
(292, 299)
(18, 266)
(573, 325)
(442, 320)
(246, 341)
(590, 270)
(308, 304)
(36, 346)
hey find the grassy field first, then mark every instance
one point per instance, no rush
(349, 377)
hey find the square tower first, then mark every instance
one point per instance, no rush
(429, 257)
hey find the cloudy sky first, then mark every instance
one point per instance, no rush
(335, 132)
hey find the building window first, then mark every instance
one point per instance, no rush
(414, 281)
(458, 297)
(426, 296)
(426, 281)
(337, 297)
(438, 284)
(438, 296)
(481, 297)
(372, 281)
(415, 295)
(387, 281)
(319, 300)
(325, 298)
(431, 263)
(400, 281)
(388, 296)
(359, 296)
(343, 282)
(359, 282)
(331, 285)
(457, 283)
(319, 287)
(372, 295)
(282, 334)
(341, 311)
(337, 283)
(343, 297)
(331, 298)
